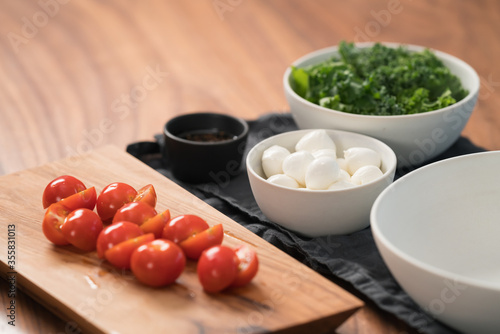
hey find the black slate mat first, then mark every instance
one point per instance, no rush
(351, 261)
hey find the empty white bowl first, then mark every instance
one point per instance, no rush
(414, 138)
(438, 230)
(319, 212)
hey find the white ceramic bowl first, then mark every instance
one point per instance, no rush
(319, 212)
(414, 138)
(438, 230)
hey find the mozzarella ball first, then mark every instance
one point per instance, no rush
(342, 163)
(295, 165)
(343, 175)
(283, 180)
(321, 173)
(315, 140)
(366, 174)
(272, 160)
(341, 184)
(325, 152)
(357, 157)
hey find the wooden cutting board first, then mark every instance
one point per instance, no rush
(285, 296)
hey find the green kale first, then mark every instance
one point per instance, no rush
(379, 81)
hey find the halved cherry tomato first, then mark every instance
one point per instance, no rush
(182, 227)
(114, 234)
(59, 188)
(119, 255)
(217, 268)
(146, 194)
(158, 263)
(196, 244)
(81, 228)
(112, 198)
(248, 267)
(156, 224)
(83, 199)
(52, 222)
(135, 212)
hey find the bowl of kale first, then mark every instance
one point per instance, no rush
(415, 99)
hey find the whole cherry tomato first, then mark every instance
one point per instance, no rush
(217, 268)
(52, 222)
(135, 212)
(158, 263)
(196, 244)
(81, 228)
(146, 194)
(59, 188)
(120, 254)
(248, 267)
(84, 199)
(182, 227)
(112, 198)
(114, 234)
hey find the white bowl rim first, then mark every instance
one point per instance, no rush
(390, 169)
(410, 259)
(411, 47)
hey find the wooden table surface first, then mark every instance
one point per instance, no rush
(75, 76)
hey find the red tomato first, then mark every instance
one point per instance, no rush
(83, 199)
(248, 267)
(114, 234)
(112, 198)
(217, 268)
(146, 194)
(119, 255)
(135, 212)
(196, 244)
(156, 224)
(60, 188)
(182, 227)
(52, 222)
(158, 263)
(81, 228)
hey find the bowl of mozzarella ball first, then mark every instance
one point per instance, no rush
(319, 182)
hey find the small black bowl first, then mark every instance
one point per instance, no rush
(205, 146)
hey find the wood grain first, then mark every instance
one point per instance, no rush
(64, 84)
(78, 286)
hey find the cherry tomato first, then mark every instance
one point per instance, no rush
(52, 222)
(135, 212)
(59, 188)
(196, 244)
(217, 268)
(182, 227)
(120, 254)
(146, 194)
(158, 263)
(83, 199)
(81, 228)
(156, 224)
(114, 234)
(248, 267)
(112, 198)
